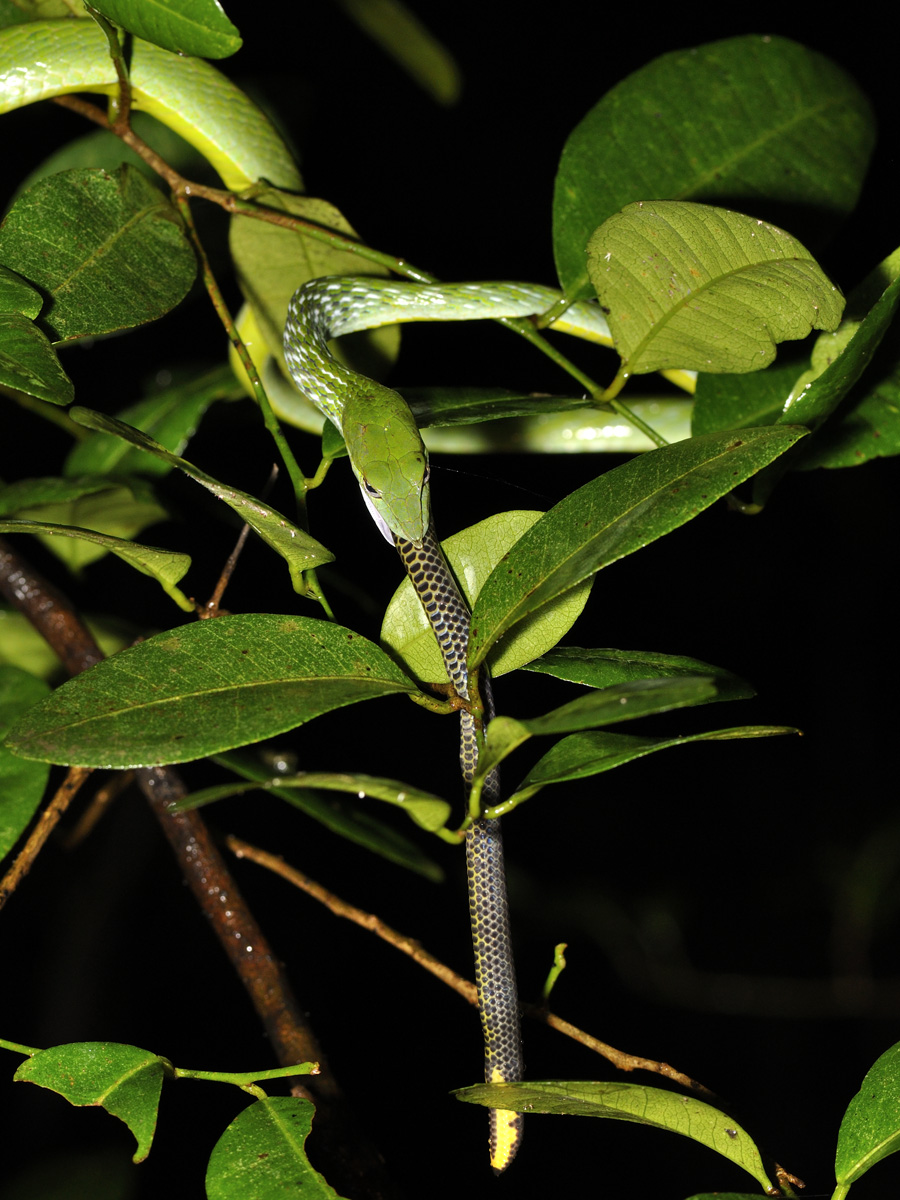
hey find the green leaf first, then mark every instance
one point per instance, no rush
(629, 1102)
(261, 1155)
(21, 783)
(839, 359)
(204, 688)
(755, 121)
(300, 551)
(614, 515)
(746, 401)
(582, 755)
(870, 1130)
(108, 249)
(196, 27)
(28, 363)
(167, 567)
(352, 823)
(272, 263)
(473, 554)
(122, 1079)
(608, 706)
(90, 506)
(170, 417)
(427, 810)
(401, 35)
(602, 668)
(705, 289)
(17, 295)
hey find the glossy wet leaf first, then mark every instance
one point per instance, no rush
(602, 668)
(629, 1102)
(614, 515)
(427, 810)
(351, 822)
(22, 783)
(28, 363)
(296, 547)
(107, 248)
(261, 1155)
(607, 706)
(195, 27)
(124, 1080)
(473, 553)
(870, 1130)
(582, 755)
(760, 123)
(170, 417)
(167, 567)
(204, 688)
(705, 289)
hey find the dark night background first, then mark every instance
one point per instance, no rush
(730, 909)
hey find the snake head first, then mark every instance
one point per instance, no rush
(390, 461)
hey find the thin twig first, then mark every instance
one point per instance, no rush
(415, 950)
(46, 823)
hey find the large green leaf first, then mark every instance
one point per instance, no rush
(190, 27)
(746, 401)
(629, 1102)
(261, 1155)
(300, 551)
(122, 1079)
(870, 1130)
(473, 554)
(602, 668)
(757, 122)
(22, 783)
(612, 516)
(705, 289)
(204, 688)
(108, 249)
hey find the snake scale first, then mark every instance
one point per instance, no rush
(390, 462)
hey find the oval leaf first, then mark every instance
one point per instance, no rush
(870, 1130)
(204, 688)
(197, 27)
(108, 249)
(602, 668)
(629, 1102)
(28, 363)
(612, 516)
(261, 1154)
(761, 121)
(705, 289)
(473, 554)
(122, 1079)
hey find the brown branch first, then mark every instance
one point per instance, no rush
(415, 950)
(348, 1159)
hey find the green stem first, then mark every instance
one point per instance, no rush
(559, 965)
(18, 1048)
(245, 1079)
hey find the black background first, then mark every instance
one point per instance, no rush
(707, 895)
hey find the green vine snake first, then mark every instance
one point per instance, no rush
(41, 59)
